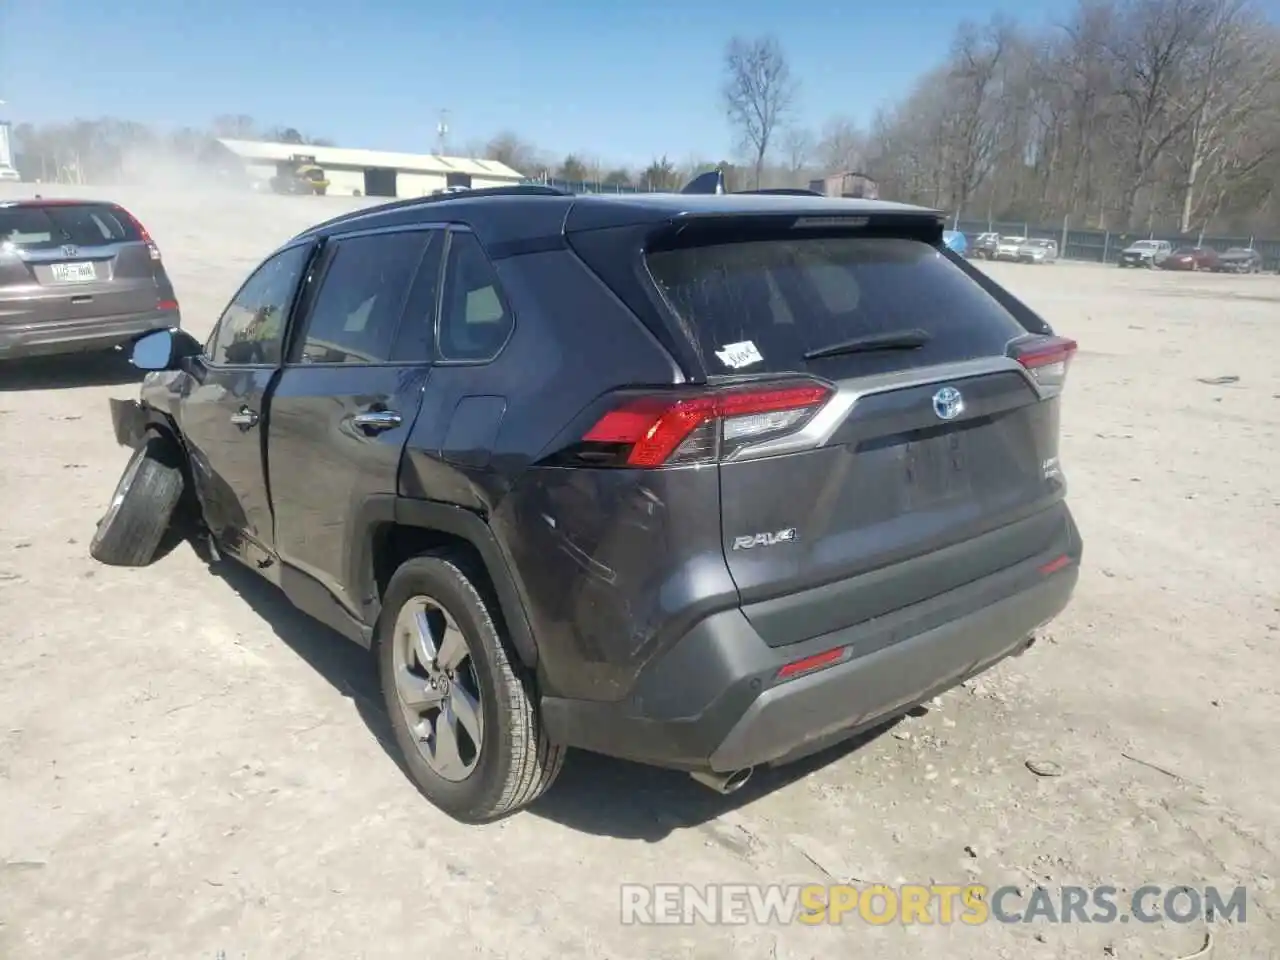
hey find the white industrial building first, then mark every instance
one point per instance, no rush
(373, 173)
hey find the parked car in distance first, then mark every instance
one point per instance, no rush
(1010, 248)
(802, 524)
(1191, 258)
(78, 276)
(9, 175)
(984, 247)
(956, 241)
(1038, 251)
(1145, 253)
(1239, 260)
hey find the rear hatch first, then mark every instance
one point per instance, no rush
(890, 431)
(72, 261)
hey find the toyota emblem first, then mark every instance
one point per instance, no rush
(948, 403)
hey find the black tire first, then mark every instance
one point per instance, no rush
(516, 763)
(141, 508)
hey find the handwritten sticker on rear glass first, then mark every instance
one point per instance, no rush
(739, 355)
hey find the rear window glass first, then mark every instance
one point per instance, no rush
(84, 225)
(779, 299)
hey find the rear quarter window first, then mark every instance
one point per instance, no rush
(789, 296)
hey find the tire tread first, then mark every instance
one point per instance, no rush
(134, 534)
(535, 761)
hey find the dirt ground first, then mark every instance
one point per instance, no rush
(191, 769)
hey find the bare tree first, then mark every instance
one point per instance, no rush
(798, 145)
(970, 130)
(572, 169)
(842, 146)
(1150, 56)
(510, 149)
(1233, 76)
(235, 126)
(759, 94)
(661, 174)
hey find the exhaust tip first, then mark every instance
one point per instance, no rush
(724, 783)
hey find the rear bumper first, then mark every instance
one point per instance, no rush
(714, 701)
(80, 335)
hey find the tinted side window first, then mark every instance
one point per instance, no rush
(779, 299)
(475, 320)
(416, 341)
(251, 329)
(361, 298)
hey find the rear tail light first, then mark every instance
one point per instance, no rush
(674, 430)
(167, 305)
(143, 234)
(1046, 359)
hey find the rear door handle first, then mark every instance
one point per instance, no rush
(244, 418)
(375, 421)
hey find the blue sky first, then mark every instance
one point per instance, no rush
(622, 81)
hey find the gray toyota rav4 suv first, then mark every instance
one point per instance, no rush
(77, 276)
(701, 481)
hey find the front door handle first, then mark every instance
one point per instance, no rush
(244, 418)
(375, 421)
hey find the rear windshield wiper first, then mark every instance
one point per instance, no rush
(894, 340)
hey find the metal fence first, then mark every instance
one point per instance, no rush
(1104, 246)
(1095, 246)
(585, 186)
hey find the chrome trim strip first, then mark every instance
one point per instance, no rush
(819, 431)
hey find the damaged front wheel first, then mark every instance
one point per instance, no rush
(141, 507)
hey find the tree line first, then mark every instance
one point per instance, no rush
(1123, 115)
(1127, 114)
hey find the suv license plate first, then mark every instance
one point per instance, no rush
(936, 471)
(82, 272)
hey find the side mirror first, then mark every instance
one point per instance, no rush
(164, 349)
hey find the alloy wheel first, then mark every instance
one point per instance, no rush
(437, 688)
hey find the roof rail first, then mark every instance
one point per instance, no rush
(782, 192)
(514, 190)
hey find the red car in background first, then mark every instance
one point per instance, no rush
(1191, 258)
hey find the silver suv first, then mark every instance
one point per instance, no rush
(1145, 253)
(78, 276)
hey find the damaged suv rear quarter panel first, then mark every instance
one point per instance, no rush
(603, 560)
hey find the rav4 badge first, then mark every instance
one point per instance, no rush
(764, 539)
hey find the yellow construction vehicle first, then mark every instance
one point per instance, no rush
(300, 175)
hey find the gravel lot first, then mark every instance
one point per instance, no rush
(189, 768)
